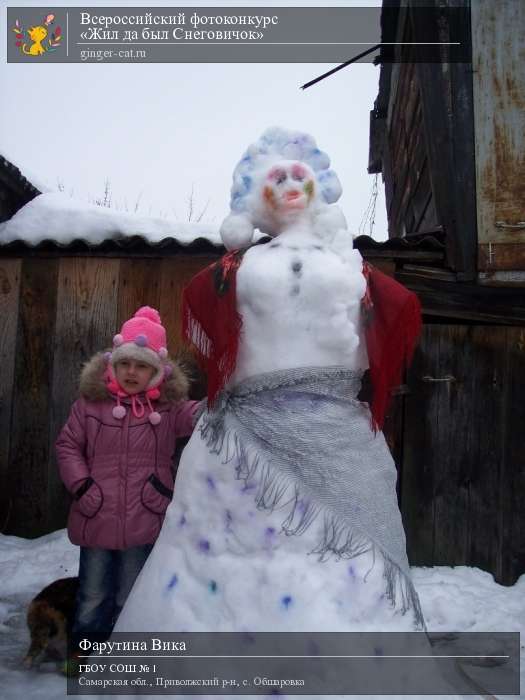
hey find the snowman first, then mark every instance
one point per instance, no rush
(285, 516)
(299, 296)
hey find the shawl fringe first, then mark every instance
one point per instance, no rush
(272, 493)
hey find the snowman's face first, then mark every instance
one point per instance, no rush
(288, 189)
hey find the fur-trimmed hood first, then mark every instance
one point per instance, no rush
(93, 387)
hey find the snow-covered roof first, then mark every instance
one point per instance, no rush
(53, 216)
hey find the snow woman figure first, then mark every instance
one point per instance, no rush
(285, 516)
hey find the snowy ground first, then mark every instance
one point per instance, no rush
(454, 599)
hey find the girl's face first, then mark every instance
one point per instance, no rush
(133, 376)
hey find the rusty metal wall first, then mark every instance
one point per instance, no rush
(498, 49)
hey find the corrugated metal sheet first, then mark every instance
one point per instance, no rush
(424, 246)
(127, 245)
(498, 46)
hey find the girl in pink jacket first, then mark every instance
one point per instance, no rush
(115, 458)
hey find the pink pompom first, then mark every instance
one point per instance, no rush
(119, 412)
(117, 340)
(153, 394)
(148, 312)
(107, 357)
(154, 418)
(163, 353)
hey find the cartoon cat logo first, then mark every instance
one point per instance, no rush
(37, 36)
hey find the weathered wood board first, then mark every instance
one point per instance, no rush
(85, 323)
(31, 411)
(9, 295)
(463, 457)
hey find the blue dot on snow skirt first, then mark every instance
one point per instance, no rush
(173, 581)
(211, 483)
(286, 601)
(204, 545)
(213, 586)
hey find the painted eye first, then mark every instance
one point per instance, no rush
(278, 175)
(298, 173)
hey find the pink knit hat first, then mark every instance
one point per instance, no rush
(141, 338)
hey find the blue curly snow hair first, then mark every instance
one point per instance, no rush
(287, 145)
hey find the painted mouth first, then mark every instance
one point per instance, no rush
(293, 200)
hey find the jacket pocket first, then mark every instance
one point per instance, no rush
(89, 498)
(155, 495)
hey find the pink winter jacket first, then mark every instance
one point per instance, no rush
(119, 471)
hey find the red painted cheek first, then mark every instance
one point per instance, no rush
(268, 196)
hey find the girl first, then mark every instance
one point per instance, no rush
(115, 457)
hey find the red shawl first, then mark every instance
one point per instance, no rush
(392, 326)
(211, 322)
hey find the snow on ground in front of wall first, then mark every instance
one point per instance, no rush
(460, 599)
(57, 217)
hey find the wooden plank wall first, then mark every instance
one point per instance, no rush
(458, 443)
(428, 156)
(463, 457)
(30, 449)
(447, 118)
(9, 295)
(513, 467)
(56, 313)
(409, 196)
(85, 315)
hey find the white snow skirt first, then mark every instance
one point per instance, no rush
(220, 564)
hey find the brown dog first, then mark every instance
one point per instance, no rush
(49, 618)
